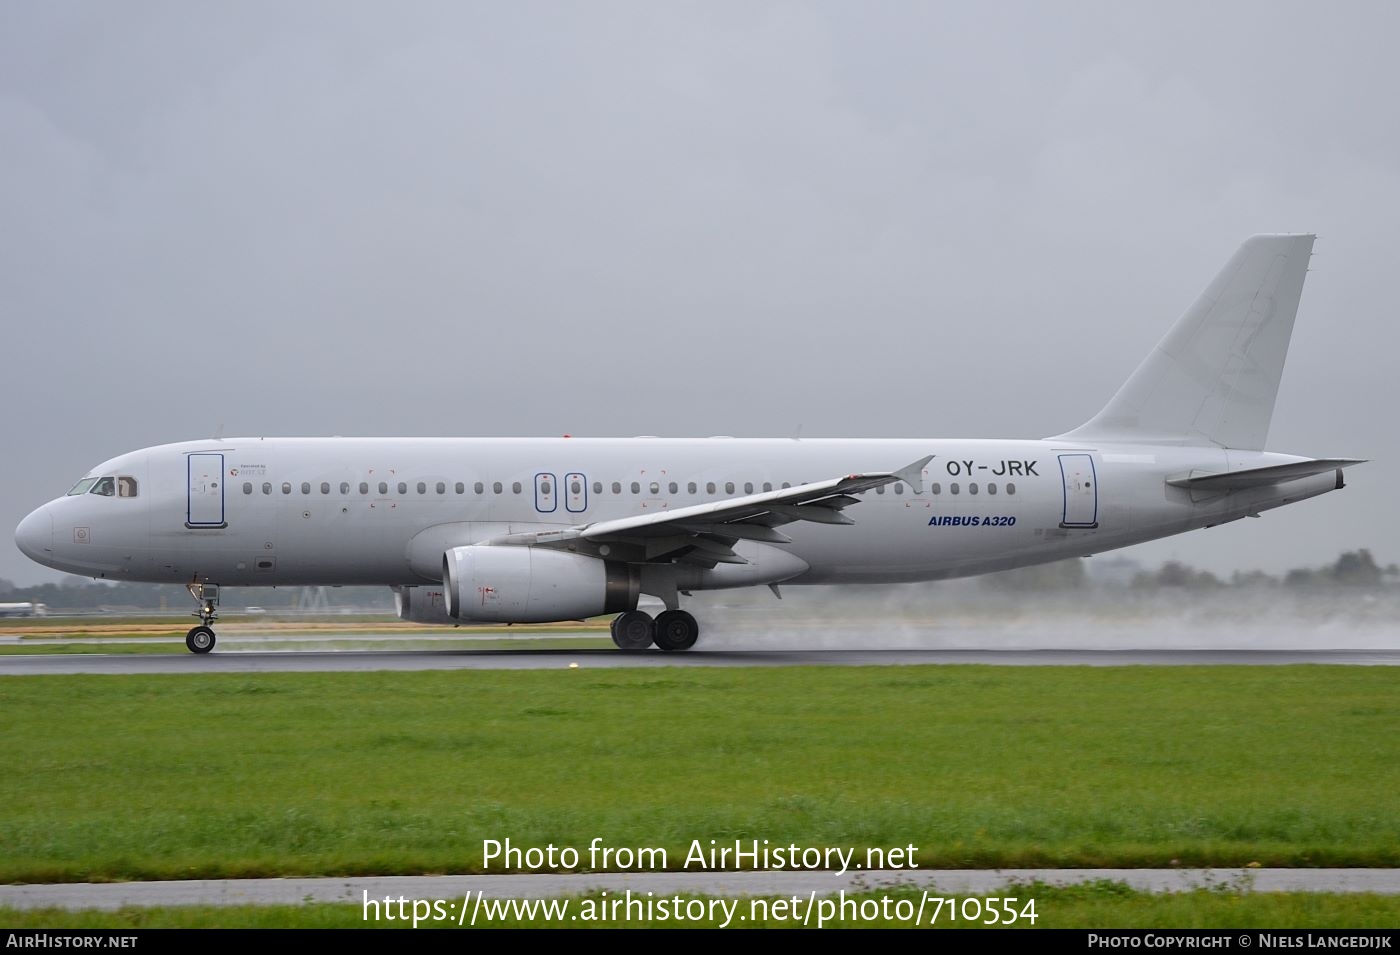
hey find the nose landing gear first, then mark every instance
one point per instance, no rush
(200, 639)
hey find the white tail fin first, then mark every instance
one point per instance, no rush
(1214, 378)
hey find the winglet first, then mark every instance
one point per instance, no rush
(913, 474)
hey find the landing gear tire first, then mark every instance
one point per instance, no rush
(633, 630)
(200, 639)
(676, 630)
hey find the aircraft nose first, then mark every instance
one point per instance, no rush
(34, 536)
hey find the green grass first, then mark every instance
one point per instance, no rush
(1100, 905)
(242, 775)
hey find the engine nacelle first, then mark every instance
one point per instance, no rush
(507, 584)
(422, 605)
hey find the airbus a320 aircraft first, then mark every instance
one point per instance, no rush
(532, 529)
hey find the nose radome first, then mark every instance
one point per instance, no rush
(34, 535)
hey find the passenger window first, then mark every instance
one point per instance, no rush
(286, 487)
(972, 488)
(636, 488)
(344, 487)
(937, 488)
(597, 487)
(991, 488)
(748, 487)
(898, 487)
(655, 488)
(710, 487)
(880, 489)
(480, 488)
(690, 488)
(786, 485)
(617, 487)
(674, 488)
(383, 487)
(728, 487)
(515, 487)
(306, 487)
(575, 487)
(767, 486)
(1010, 488)
(247, 487)
(496, 487)
(544, 487)
(953, 488)
(325, 487)
(104, 486)
(267, 487)
(441, 487)
(422, 488)
(403, 487)
(126, 487)
(364, 487)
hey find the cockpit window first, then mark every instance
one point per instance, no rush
(106, 486)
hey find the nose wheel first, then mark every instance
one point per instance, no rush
(201, 639)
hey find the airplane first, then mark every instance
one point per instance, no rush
(521, 530)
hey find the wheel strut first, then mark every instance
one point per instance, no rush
(200, 639)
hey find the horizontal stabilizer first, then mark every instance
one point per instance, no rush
(1261, 477)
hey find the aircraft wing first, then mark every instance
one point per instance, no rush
(704, 533)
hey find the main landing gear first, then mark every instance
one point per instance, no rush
(672, 630)
(200, 639)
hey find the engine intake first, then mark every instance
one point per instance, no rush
(506, 584)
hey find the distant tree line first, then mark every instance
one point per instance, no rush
(1353, 569)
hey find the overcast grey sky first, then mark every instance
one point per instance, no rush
(863, 219)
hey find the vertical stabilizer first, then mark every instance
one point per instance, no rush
(1213, 379)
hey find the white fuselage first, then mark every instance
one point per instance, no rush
(272, 511)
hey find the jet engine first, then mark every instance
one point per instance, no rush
(509, 584)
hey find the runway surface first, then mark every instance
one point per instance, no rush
(455, 888)
(308, 661)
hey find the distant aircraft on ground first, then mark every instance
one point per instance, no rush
(520, 530)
